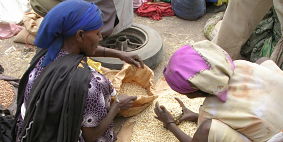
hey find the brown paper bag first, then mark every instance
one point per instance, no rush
(132, 74)
(24, 37)
(31, 22)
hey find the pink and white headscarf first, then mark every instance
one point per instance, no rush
(203, 66)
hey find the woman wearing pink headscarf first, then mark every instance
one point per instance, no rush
(243, 99)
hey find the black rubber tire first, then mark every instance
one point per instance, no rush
(151, 52)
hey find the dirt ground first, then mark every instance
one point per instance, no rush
(14, 57)
(174, 31)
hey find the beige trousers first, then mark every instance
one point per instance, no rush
(240, 19)
(220, 132)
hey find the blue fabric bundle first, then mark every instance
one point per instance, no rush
(211, 0)
(63, 21)
(189, 9)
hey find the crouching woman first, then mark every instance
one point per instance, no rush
(242, 99)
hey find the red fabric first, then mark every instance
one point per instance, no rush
(155, 10)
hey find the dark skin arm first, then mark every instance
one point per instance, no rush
(124, 56)
(164, 116)
(178, 133)
(168, 122)
(201, 134)
(92, 133)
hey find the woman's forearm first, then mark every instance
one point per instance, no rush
(107, 52)
(179, 134)
(91, 134)
(104, 124)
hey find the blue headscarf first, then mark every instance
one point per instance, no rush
(64, 20)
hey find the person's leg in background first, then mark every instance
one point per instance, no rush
(277, 54)
(240, 19)
(278, 6)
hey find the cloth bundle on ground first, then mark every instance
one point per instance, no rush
(212, 26)
(189, 9)
(155, 10)
(31, 22)
(131, 74)
(190, 67)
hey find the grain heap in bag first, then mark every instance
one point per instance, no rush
(133, 81)
(145, 128)
(132, 89)
(7, 94)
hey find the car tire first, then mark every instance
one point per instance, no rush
(150, 51)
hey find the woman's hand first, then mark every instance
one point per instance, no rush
(92, 133)
(131, 58)
(187, 114)
(163, 115)
(124, 102)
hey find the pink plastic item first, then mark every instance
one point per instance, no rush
(8, 30)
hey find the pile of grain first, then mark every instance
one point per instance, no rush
(110, 76)
(149, 129)
(6, 94)
(132, 89)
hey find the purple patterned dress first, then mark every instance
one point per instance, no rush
(97, 101)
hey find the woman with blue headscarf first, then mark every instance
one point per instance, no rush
(63, 97)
